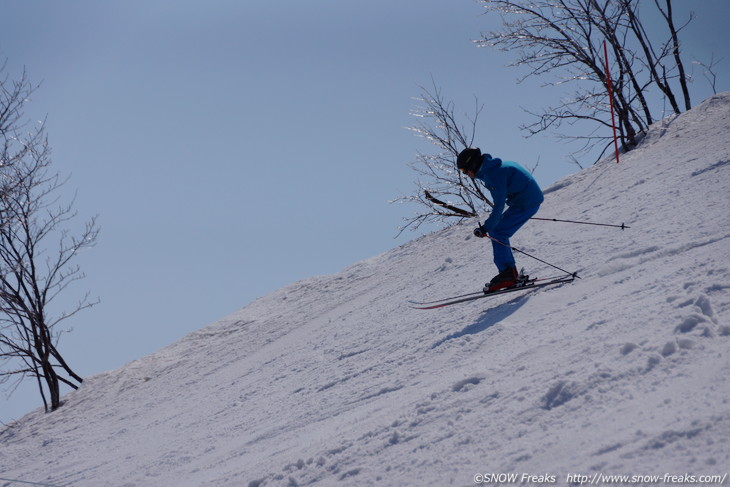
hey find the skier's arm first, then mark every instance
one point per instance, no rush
(499, 197)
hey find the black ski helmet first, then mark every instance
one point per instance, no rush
(469, 159)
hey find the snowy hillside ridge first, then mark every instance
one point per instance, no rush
(334, 380)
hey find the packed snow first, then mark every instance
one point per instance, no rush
(335, 380)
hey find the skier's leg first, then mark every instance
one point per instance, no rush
(512, 220)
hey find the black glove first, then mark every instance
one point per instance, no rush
(480, 232)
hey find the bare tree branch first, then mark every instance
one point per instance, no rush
(33, 271)
(438, 178)
(708, 71)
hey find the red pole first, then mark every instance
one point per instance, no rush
(610, 97)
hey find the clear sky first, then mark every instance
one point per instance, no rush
(233, 147)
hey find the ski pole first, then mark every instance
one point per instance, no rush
(465, 213)
(622, 226)
(573, 274)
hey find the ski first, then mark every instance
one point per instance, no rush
(531, 284)
(522, 281)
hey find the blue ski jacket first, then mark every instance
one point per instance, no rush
(510, 184)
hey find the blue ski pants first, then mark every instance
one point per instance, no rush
(511, 221)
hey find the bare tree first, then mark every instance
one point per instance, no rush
(443, 190)
(566, 37)
(33, 272)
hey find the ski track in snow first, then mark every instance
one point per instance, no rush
(334, 380)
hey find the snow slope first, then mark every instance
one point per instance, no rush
(335, 381)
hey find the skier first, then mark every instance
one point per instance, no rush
(510, 184)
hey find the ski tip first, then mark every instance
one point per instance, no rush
(426, 307)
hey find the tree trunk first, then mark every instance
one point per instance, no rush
(677, 58)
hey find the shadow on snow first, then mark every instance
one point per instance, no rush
(488, 319)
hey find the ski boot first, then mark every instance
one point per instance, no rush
(505, 279)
